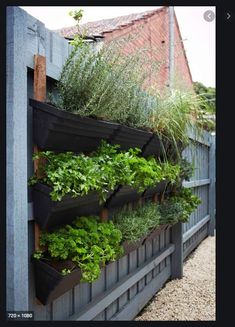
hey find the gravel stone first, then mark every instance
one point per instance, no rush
(192, 297)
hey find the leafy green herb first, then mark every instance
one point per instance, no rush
(180, 206)
(88, 242)
(186, 169)
(77, 175)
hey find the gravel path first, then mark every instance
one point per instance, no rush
(193, 296)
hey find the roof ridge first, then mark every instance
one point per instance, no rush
(136, 17)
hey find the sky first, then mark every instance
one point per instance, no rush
(198, 35)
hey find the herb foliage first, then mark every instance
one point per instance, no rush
(107, 168)
(88, 242)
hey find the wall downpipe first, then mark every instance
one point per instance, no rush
(171, 47)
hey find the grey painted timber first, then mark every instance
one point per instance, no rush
(138, 302)
(177, 256)
(202, 153)
(16, 141)
(195, 228)
(195, 240)
(212, 186)
(196, 183)
(92, 309)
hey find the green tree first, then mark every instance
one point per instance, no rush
(207, 104)
(207, 94)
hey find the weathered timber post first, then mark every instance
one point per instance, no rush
(177, 255)
(17, 292)
(39, 88)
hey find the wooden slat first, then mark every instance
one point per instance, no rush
(122, 272)
(197, 240)
(140, 300)
(132, 266)
(111, 279)
(167, 241)
(149, 254)
(39, 89)
(196, 183)
(141, 260)
(204, 139)
(97, 288)
(39, 86)
(156, 247)
(82, 296)
(195, 228)
(95, 307)
(62, 306)
(162, 245)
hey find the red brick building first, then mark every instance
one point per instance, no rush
(149, 29)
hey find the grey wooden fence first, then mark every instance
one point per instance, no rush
(201, 152)
(126, 285)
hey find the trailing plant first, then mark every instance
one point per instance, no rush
(87, 242)
(186, 169)
(180, 206)
(77, 175)
(170, 211)
(171, 171)
(185, 173)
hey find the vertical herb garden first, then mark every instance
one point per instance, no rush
(105, 141)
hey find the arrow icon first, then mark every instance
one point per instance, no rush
(228, 15)
(209, 15)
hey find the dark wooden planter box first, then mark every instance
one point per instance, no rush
(58, 130)
(49, 214)
(153, 147)
(131, 246)
(50, 283)
(121, 196)
(128, 137)
(160, 188)
(157, 231)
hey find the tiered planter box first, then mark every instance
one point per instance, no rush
(60, 131)
(159, 188)
(153, 147)
(131, 246)
(128, 137)
(50, 283)
(121, 196)
(155, 232)
(49, 214)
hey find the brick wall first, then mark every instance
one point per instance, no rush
(152, 33)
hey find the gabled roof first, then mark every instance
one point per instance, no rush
(98, 28)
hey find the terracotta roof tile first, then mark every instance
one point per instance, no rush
(98, 28)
